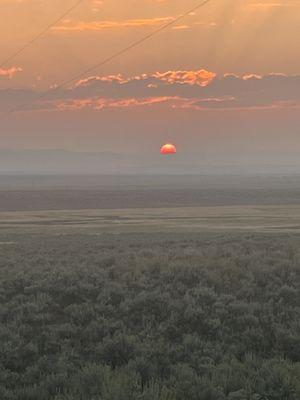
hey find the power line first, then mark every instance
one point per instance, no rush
(39, 35)
(114, 56)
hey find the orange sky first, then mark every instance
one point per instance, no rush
(237, 36)
(228, 58)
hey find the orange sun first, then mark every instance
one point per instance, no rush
(168, 148)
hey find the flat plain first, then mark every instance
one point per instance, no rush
(116, 204)
(121, 192)
(259, 219)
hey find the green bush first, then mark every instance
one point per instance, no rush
(150, 317)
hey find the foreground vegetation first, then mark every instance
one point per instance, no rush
(150, 317)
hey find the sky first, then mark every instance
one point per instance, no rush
(222, 83)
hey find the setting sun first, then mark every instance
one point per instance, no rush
(168, 148)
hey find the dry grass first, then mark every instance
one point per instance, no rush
(190, 219)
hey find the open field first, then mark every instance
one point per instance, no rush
(280, 219)
(118, 192)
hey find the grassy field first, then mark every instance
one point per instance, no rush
(279, 219)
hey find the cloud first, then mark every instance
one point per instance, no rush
(180, 27)
(10, 72)
(103, 103)
(201, 77)
(81, 26)
(265, 6)
(196, 90)
(69, 25)
(110, 78)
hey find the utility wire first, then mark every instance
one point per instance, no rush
(113, 56)
(41, 34)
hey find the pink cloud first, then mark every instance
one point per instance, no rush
(109, 79)
(82, 26)
(180, 27)
(201, 77)
(103, 103)
(268, 6)
(252, 76)
(10, 72)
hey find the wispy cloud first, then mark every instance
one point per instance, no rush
(81, 26)
(103, 103)
(181, 27)
(264, 6)
(10, 72)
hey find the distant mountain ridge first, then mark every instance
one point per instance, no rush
(60, 161)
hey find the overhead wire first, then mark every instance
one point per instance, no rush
(40, 34)
(113, 56)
